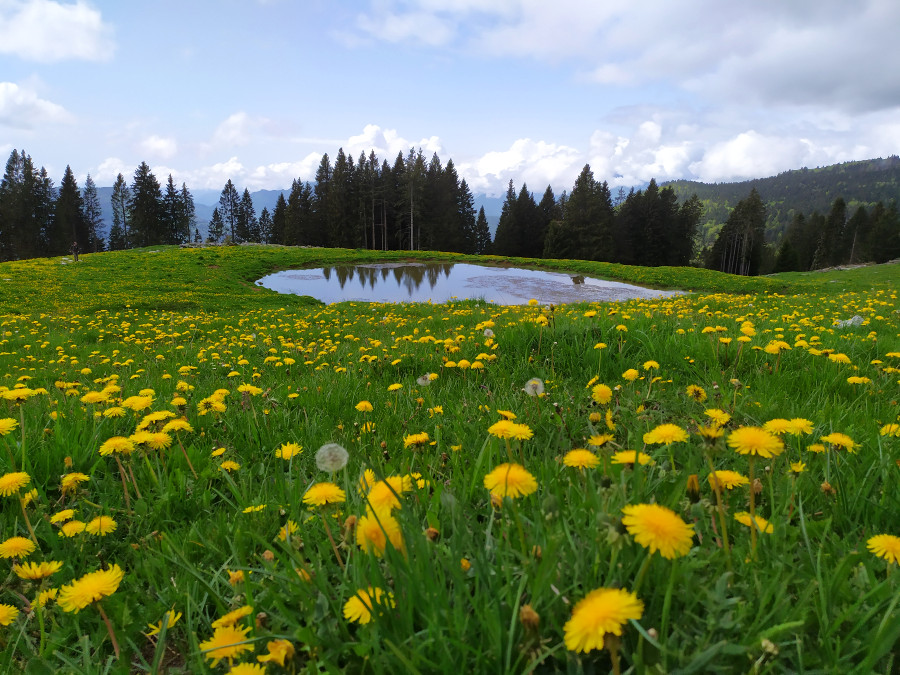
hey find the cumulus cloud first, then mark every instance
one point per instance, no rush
(387, 143)
(811, 52)
(109, 169)
(536, 163)
(22, 108)
(159, 146)
(47, 31)
(238, 129)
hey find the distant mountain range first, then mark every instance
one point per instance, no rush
(861, 183)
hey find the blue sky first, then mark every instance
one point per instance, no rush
(528, 90)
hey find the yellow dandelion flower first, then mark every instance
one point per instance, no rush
(39, 570)
(375, 529)
(232, 617)
(16, 547)
(720, 417)
(384, 494)
(8, 614)
(45, 596)
(890, 430)
(170, 617)
(415, 440)
(840, 440)
(117, 444)
(602, 394)
(279, 652)
(11, 483)
(364, 406)
(799, 425)
(62, 516)
(90, 588)
(288, 530)
(580, 458)
(229, 465)
(602, 611)
(777, 426)
(658, 528)
(695, 392)
(631, 375)
(755, 441)
(288, 451)
(227, 642)
(101, 526)
(762, 525)
(727, 479)
(510, 480)
(359, 608)
(7, 425)
(885, 546)
(322, 494)
(630, 457)
(666, 434)
(599, 440)
(72, 528)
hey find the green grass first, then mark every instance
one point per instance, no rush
(186, 323)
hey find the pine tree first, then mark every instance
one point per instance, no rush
(197, 238)
(265, 226)
(465, 209)
(216, 228)
(230, 210)
(482, 234)
(69, 231)
(321, 205)
(145, 208)
(249, 222)
(171, 227)
(505, 238)
(188, 214)
(93, 215)
(278, 232)
(121, 199)
(739, 247)
(21, 219)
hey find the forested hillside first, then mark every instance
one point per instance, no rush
(805, 191)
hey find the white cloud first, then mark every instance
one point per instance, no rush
(238, 129)
(47, 31)
(536, 163)
(109, 168)
(387, 143)
(159, 146)
(23, 109)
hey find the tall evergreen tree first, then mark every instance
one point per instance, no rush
(93, 215)
(230, 210)
(69, 230)
(247, 225)
(482, 234)
(216, 227)
(277, 233)
(265, 226)
(739, 247)
(321, 204)
(145, 208)
(188, 222)
(171, 228)
(506, 240)
(121, 220)
(21, 212)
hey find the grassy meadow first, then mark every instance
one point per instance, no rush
(167, 505)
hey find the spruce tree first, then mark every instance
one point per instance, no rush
(277, 234)
(188, 214)
(248, 223)
(69, 231)
(93, 215)
(171, 227)
(216, 228)
(230, 210)
(265, 226)
(121, 199)
(145, 208)
(482, 234)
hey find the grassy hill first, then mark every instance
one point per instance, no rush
(803, 191)
(198, 473)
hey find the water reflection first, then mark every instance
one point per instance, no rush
(439, 282)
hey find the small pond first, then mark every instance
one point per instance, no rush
(440, 282)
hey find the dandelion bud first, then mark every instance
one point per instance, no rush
(465, 565)
(828, 489)
(261, 620)
(268, 556)
(68, 462)
(757, 486)
(530, 619)
(693, 488)
(432, 534)
(349, 525)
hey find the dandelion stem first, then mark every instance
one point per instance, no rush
(752, 510)
(667, 606)
(642, 573)
(27, 521)
(109, 628)
(22, 424)
(331, 539)
(717, 487)
(12, 460)
(184, 452)
(134, 482)
(124, 484)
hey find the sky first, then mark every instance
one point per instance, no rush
(523, 90)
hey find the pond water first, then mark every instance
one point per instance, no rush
(440, 282)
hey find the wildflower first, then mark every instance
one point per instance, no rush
(798, 425)
(581, 459)
(72, 528)
(39, 570)
(322, 494)
(602, 611)
(885, 546)
(13, 482)
(762, 524)
(178, 425)
(7, 425)
(159, 441)
(659, 529)
(415, 440)
(798, 467)
(651, 365)
(117, 444)
(384, 493)
(359, 608)
(114, 411)
(755, 441)
(890, 430)
(599, 440)
(229, 465)
(332, 457)
(631, 375)
(375, 529)
(16, 547)
(711, 433)
(226, 642)
(465, 565)
(235, 578)
(841, 441)
(631, 457)
(101, 526)
(364, 406)
(45, 596)
(279, 652)
(508, 429)
(218, 452)
(610, 424)
(90, 588)
(534, 387)
(232, 617)
(696, 393)
(288, 530)
(171, 618)
(62, 516)
(71, 481)
(839, 358)
(727, 479)
(288, 450)
(602, 394)
(816, 447)
(510, 480)
(666, 434)
(720, 417)
(395, 387)
(853, 379)
(777, 426)
(422, 380)
(8, 614)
